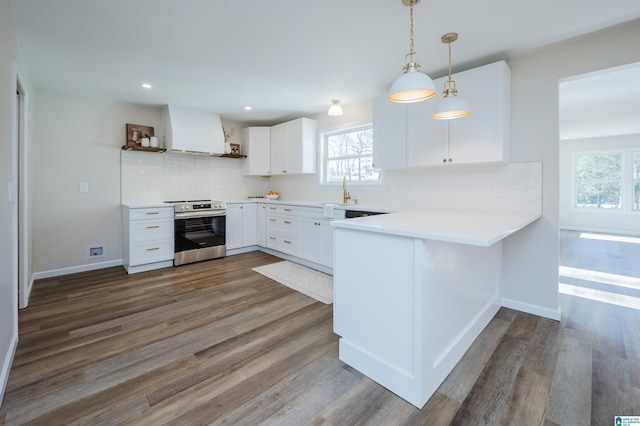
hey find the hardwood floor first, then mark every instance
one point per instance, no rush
(216, 343)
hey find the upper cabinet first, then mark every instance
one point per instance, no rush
(406, 136)
(257, 146)
(294, 147)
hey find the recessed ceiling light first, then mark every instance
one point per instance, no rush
(247, 108)
(146, 85)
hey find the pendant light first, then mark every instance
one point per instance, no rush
(451, 106)
(335, 110)
(413, 85)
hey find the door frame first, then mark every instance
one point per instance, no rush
(20, 188)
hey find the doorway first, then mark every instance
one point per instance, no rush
(599, 178)
(21, 194)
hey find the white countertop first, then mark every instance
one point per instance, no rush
(473, 228)
(147, 206)
(314, 204)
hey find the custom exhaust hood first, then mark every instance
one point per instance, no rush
(192, 131)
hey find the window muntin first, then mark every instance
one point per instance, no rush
(636, 180)
(348, 153)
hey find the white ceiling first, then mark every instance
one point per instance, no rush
(603, 103)
(285, 58)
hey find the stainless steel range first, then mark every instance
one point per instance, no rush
(200, 232)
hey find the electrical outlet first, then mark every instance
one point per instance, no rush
(84, 187)
(96, 251)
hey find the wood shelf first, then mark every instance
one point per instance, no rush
(142, 148)
(233, 156)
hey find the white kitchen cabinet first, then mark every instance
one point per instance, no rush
(482, 137)
(261, 235)
(282, 228)
(257, 147)
(294, 147)
(241, 225)
(249, 224)
(310, 239)
(147, 238)
(315, 240)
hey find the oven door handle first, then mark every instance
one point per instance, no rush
(192, 215)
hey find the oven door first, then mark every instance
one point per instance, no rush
(199, 236)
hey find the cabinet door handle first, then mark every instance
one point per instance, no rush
(273, 238)
(153, 227)
(272, 220)
(288, 242)
(153, 248)
(287, 221)
(287, 210)
(272, 208)
(153, 212)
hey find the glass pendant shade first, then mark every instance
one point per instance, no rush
(449, 108)
(335, 110)
(412, 86)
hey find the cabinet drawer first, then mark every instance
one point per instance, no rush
(277, 224)
(157, 213)
(284, 210)
(282, 243)
(145, 230)
(152, 252)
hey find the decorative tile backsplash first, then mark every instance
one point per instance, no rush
(152, 178)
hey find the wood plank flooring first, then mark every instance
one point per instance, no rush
(216, 343)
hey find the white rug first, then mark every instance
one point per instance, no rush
(307, 281)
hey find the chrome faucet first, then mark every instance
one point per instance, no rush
(345, 194)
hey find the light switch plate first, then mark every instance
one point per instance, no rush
(84, 187)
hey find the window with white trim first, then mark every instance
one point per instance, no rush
(348, 153)
(607, 180)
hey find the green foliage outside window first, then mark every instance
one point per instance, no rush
(599, 180)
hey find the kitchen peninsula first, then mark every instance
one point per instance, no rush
(413, 290)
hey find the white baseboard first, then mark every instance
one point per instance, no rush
(600, 231)
(75, 269)
(295, 259)
(231, 252)
(6, 366)
(554, 314)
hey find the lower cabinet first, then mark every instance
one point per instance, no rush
(242, 225)
(302, 232)
(147, 238)
(282, 228)
(316, 236)
(261, 236)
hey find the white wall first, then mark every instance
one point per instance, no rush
(79, 139)
(595, 220)
(531, 256)
(10, 63)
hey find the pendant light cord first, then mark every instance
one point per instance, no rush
(411, 30)
(449, 60)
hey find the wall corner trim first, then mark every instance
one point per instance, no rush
(6, 366)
